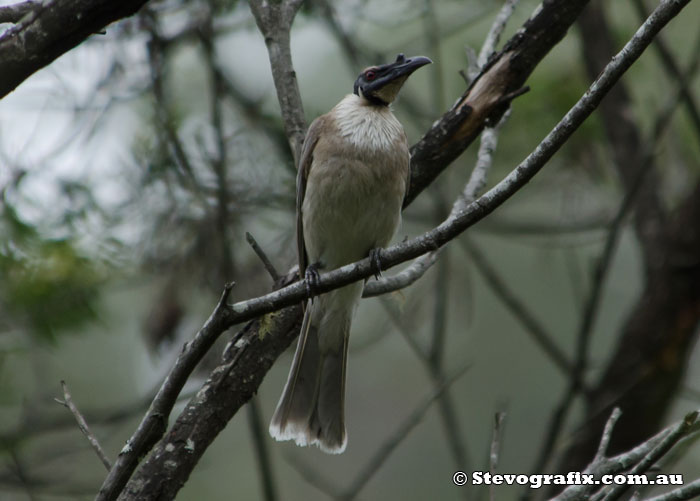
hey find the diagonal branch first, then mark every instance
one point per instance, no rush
(154, 423)
(489, 46)
(49, 30)
(14, 13)
(82, 424)
(487, 97)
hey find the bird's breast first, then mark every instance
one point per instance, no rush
(355, 189)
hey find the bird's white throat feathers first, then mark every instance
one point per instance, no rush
(365, 125)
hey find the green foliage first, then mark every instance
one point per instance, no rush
(45, 284)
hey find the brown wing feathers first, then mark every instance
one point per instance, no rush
(305, 161)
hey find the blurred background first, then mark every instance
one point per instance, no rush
(132, 167)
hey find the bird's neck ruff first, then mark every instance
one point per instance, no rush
(366, 125)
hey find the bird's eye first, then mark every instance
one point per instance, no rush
(370, 75)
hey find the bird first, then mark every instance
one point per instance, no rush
(353, 175)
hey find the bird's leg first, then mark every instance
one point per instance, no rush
(311, 278)
(375, 255)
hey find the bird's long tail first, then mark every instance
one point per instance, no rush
(311, 408)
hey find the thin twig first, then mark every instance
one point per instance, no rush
(484, 159)
(48, 424)
(82, 424)
(263, 257)
(476, 64)
(494, 34)
(401, 280)
(607, 434)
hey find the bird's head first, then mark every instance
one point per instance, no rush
(380, 84)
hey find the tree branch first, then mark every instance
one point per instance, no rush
(483, 102)
(403, 279)
(14, 13)
(635, 461)
(51, 29)
(494, 35)
(274, 19)
(154, 423)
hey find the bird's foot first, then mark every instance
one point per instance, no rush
(311, 278)
(375, 256)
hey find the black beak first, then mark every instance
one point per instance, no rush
(372, 80)
(404, 66)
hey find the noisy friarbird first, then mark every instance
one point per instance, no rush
(352, 179)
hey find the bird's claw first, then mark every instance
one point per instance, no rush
(311, 279)
(375, 260)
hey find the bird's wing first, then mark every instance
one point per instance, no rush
(305, 160)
